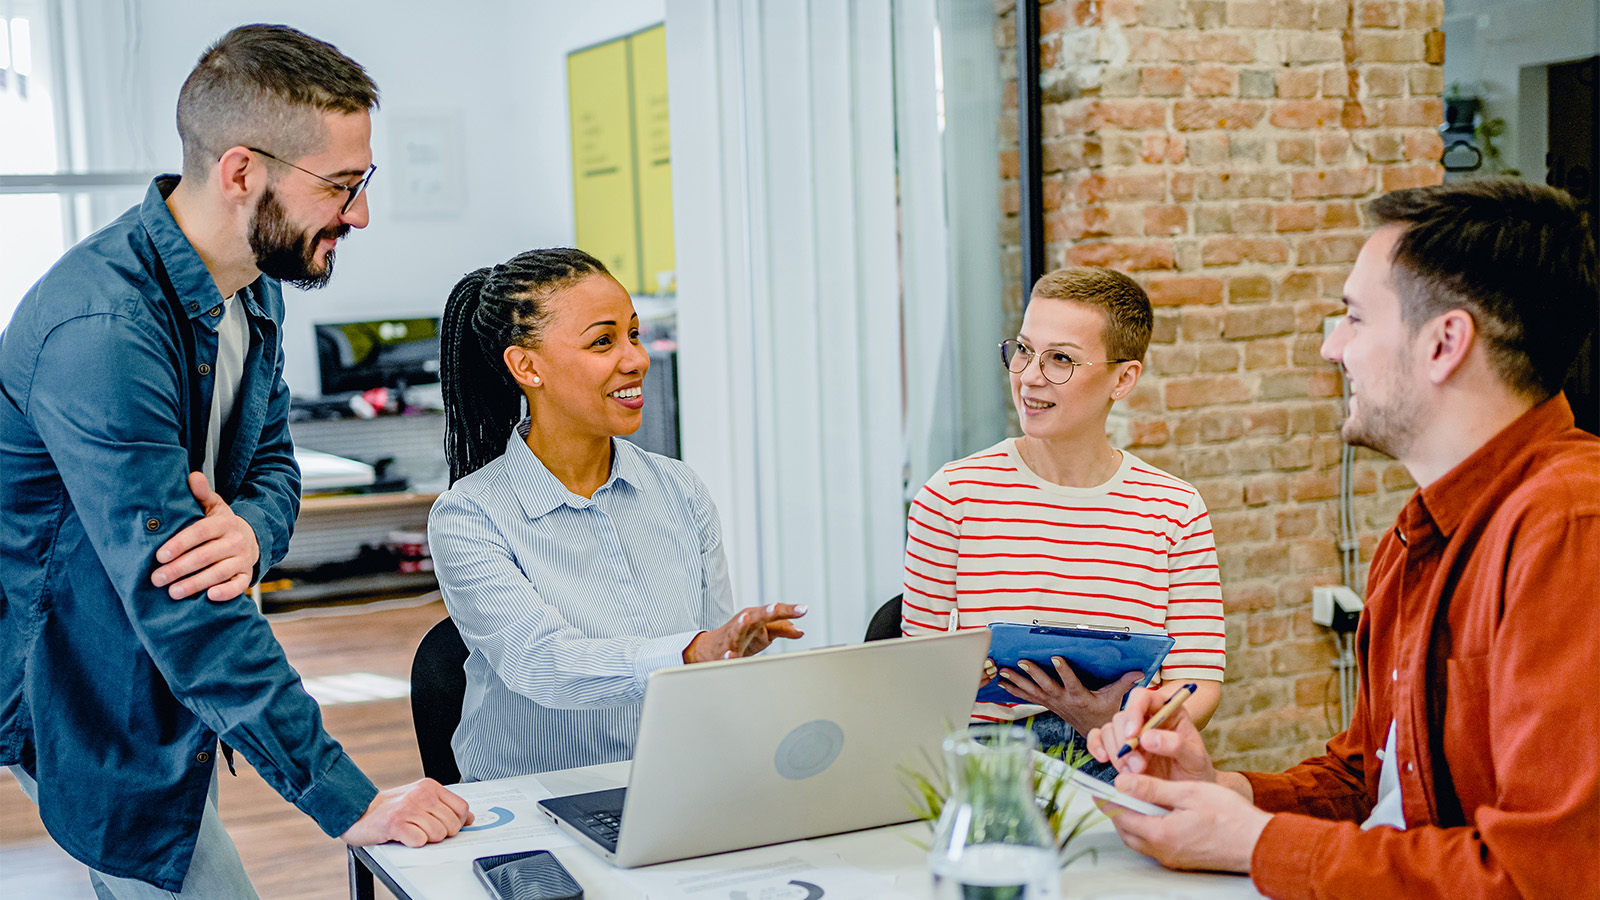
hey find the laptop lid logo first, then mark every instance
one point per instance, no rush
(809, 749)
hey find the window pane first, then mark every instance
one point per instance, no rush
(30, 232)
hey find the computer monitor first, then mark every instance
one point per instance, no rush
(393, 353)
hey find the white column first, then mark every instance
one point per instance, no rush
(788, 292)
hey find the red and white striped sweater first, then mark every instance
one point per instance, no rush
(989, 538)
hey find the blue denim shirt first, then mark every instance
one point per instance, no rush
(112, 694)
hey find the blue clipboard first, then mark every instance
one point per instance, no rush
(1097, 654)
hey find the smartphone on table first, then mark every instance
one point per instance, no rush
(535, 875)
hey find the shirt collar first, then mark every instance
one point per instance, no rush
(190, 277)
(1449, 500)
(541, 491)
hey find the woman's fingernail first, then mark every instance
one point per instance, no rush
(800, 610)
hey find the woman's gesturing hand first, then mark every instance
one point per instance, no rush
(746, 634)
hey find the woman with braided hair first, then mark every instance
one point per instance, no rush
(574, 564)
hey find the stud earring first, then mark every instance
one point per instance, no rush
(535, 379)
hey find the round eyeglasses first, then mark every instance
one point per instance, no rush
(352, 190)
(1056, 365)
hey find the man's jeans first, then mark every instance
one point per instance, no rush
(215, 872)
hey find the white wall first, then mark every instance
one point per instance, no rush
(496, 68)
(1489, 42)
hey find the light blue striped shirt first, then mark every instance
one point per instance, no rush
(567, 604)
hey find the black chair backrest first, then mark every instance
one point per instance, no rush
(886, 621)
(438, 685)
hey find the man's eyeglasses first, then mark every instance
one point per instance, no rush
(354, 190)
(1056, 366)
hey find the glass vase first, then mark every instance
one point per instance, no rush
(992, 842)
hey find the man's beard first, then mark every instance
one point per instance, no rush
(286, 254)
(1390, 428)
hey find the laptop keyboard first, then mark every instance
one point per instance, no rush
(604, 823)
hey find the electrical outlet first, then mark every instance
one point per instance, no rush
(1336, 607)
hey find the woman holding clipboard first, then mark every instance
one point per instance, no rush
(1059, 527)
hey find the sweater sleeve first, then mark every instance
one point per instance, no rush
(933, 536)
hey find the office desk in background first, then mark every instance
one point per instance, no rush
(887, 853)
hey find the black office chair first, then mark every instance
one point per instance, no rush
(438, 685)
(886, 621)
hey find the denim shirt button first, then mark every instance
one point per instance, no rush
(203, 369)
(216, 311)
(202, 757)
(152, 524)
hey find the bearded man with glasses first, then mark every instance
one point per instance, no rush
(144, 436)
(1060, 526)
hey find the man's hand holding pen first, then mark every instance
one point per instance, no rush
(1212, 825)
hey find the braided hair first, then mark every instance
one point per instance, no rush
(489, 310)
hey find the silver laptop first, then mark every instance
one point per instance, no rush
(777, 748)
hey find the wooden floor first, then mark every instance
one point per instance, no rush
(287, 856)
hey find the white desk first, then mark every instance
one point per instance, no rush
(1116, 872)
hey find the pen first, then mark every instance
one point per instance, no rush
(1167, 709)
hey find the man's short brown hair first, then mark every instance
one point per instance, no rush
(1124, 302)
(266, 86)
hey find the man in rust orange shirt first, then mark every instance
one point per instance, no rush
(1471, 767)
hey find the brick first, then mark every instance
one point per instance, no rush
(1265, 354)
(1135, 257)
(1424, 13)
(1306, 113)
(1228, 250)
(1258, 321)
(1228, 48)
(1177, 360)
(1261, 490)
(1422, 112)
(1398, 177)
(1181, 185)
(1238, 185)
(1249, 289)
(1333, 148)
(1379, 14)
(1338, 214)
(1296, 151)
(1165, 220)
(1205, 390)
(1295, 521)
(1204, 463)
(1316, 47)
(1248, 13)
(1294, 217)
(1160, 148)
(1161, 81)
(1165, 328)
(1147, 432)
(1292, 14)
(1308, 486)
(1180, 290)
(1313, 555)
(1333, 183)
(1214, 81)
(1299, 83)
(1425, 79)
(1210, 13)
(1221, 493)
(1245, 598)
(1249, 457)
(1201, 324)
(1219, 358)
(1257, 83)
(1423, 146)
(1384, 81)
(1119, 81)
(1213, 218)
(1332, 13)
(1130, 114)
(1164, 14)
(1389, 46)
(1135, 186)
(1433, 48)
(1199, 115)
(1247, 148)
(1322, 249)
(1252, 217)
(1008, 164)
(1336, 82)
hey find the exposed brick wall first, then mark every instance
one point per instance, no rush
(1220, 150)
